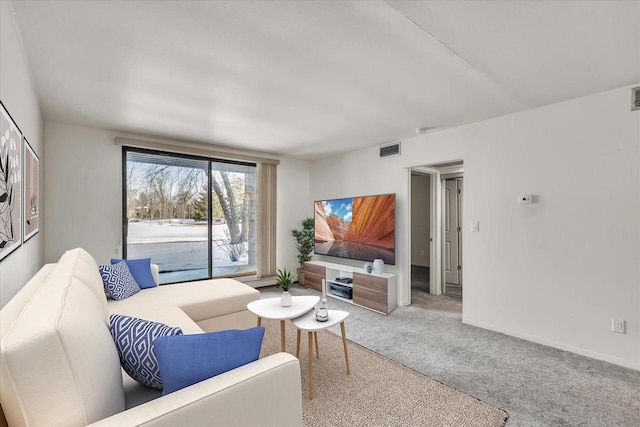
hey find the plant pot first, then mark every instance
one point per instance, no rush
(285, 299)
(300, 272)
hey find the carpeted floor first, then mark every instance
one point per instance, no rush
(377, 392)
(420, 278)
(535, 384)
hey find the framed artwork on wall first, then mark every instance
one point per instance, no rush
(31, 185)
(10, 184)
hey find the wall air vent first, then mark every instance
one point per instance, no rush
(635, 98)
(390, 149)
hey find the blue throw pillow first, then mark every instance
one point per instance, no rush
(134, 341)
(118, 281)
(140, 270)
(189, 359)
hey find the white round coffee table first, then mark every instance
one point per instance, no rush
(270, 308)
(308, 322)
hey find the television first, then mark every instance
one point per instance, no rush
(361, 228)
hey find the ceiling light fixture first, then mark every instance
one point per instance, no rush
(421, 130)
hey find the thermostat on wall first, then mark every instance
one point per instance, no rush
(526, 199)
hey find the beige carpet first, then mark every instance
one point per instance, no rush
(378, 392)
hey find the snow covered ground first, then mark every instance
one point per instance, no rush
(181, 249)
(163, 231)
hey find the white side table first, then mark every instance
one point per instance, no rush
(309, 323)
(270, 308)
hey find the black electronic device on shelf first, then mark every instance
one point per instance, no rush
(344, 280)
(341, 290)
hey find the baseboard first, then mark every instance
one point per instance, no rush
(555, 344)
(258, 283)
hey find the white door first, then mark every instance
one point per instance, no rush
(452, 229)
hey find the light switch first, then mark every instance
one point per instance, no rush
(475, 226)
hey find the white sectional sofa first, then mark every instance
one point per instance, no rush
(59, 365)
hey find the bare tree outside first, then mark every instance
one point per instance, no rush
(167, 215)
(229, 189)
(161, 191)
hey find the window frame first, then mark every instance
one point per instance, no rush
(210, 160)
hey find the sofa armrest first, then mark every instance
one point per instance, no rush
(265, 392)
(155, 272)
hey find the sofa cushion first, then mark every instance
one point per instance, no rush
(188, 359)
(134, 341)
(140, 270)
(173, 316)
(83, 267)
(118, 282)
(63, 321)
(199, 300)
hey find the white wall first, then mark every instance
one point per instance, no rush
(83, 191)
(556, 271)
(421, 222)
(18, 96)
(84, 194)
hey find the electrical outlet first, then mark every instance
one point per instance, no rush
(618, 325)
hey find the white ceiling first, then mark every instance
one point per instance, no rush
(308, 78)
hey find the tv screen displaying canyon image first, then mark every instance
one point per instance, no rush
(361, 228)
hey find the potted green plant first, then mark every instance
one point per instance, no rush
(304, 243)
(284, 280)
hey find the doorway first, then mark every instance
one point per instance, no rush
(436, 217)
(420, 231)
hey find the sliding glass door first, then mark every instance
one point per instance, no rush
(233, 212)
(194, 217)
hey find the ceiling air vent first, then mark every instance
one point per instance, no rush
(635, 98)
(390, 150)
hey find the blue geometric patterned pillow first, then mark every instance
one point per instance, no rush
(134, 340)
(118, 281)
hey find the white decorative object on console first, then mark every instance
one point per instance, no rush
(378, 266)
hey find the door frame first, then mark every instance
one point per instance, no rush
(436, 230)
(435, 247)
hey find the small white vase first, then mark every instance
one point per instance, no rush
(285, 300)
(378, 266)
